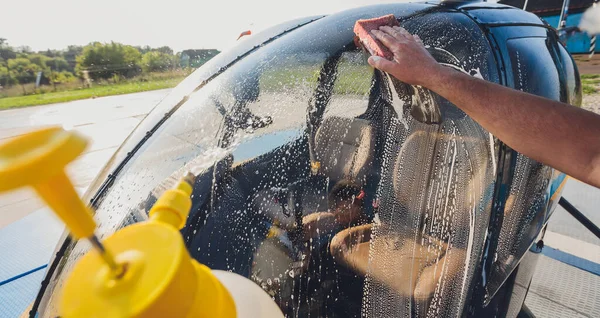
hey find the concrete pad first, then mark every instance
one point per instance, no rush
(587, 200)
(87, 166)
(575, 247)
(28, 230)
(12, 212)
(14, 122)
(20, 203)
(106, 121)
(108, 134)
(12, 197)
(560, 290)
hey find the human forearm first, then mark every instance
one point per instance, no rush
(564, 137)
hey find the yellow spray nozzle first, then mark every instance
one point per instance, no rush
(152, 274)
(174, 205)
(38, 159)
(161, 279)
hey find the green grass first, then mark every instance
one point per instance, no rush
(589, 83)
(351, 79)
(589, 89)
(96, 91)
(280, 79)
(594, 81)
(590, 76)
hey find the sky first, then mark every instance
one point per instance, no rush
(180, 24)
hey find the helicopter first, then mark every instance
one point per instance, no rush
(317, 179)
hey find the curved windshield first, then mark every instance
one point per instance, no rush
(318, 178)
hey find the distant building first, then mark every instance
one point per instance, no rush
(550, 10)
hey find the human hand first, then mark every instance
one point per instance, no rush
(412, 63)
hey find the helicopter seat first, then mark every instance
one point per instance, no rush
(345, 147)
(414, 262)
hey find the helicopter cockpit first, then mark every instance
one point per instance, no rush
(318, 178)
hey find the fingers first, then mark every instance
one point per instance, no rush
(394, 32)
(381, 64)
(399, 33)
(387, 40)
(403, 32)
(391, 36)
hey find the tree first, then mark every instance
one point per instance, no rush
(106, 60)
(25, 49)
(146, 48)
(72, 52)
(5, 78)
(58, 64)
(70, 55)
(60, 77)
(6, 51)
(39, 60)
(195, 58)
(23, 71)
(51, 53)
(156, 61)
(57, 71)
(143, 49)
(165, 49)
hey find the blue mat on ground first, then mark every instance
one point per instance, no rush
(25, 247)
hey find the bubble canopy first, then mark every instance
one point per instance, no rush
(313, 177)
